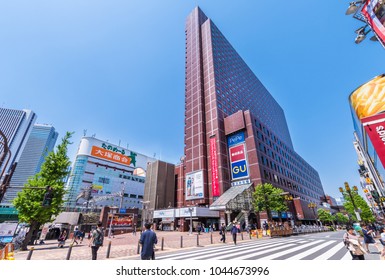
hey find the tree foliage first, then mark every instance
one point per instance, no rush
(324, 216)
(29, 201)
(365, 214)
(266, 197)
(341, 218)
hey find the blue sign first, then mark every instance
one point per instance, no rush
(236, 138)
(122, 210)
(239, 169)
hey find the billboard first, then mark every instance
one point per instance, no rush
(375, 128)
(374, 13)
(237, 153)
(369, 98)
(194, 185)
(120, 220)
(109, 155)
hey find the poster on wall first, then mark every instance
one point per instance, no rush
(214, 167)
(238, 162)
(194, 185)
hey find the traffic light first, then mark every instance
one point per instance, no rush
(48, 196)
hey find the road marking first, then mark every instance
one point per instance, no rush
(309, 252)
(330, 252)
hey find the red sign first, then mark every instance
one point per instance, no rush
(375, 128)
(374, 11)
(237, 153)
(214, 167)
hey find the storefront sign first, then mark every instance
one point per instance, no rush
(239, 170)
(112, 156)
(236, 138)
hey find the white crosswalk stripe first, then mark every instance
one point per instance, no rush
(288, 249)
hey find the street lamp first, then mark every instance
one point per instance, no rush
(313, 206)
(289, 198)
(349, 191)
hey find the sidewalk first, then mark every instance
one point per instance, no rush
(124, 245)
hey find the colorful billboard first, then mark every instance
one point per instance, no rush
(237, 153)
(214, 167)
(374, 13)
(120, 221)
(369, 98)
(375, 128)
(194, 185)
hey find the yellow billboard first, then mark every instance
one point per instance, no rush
(369, 98)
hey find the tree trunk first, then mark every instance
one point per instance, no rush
(34, 226)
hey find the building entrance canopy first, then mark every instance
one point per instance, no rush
(236, 198)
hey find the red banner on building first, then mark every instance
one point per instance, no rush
(214, 167)
(375, 128)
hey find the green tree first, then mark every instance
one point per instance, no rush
(266, 197)
(360, 203)
(29, 202)
(324, 216)
(341, 218)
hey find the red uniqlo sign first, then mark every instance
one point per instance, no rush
(375, 128)
(237, 153)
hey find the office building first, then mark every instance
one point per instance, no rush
(40, 143)
(236, 137)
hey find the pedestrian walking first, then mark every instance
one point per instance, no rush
(368, 238)
(223, 233)
(234, 232)
(62, 238)
(148, 239)
(96, 241)
(353, 244)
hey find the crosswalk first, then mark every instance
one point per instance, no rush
(272, 249)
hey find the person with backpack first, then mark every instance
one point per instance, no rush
(353, 244)
(96, 240)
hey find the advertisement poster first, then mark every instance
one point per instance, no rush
(375, 128)
(194, 185)
(120, 221)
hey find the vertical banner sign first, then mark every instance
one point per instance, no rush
(214, 166)
(375, 128)
(374, 13)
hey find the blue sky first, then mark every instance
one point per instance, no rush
(116, 69)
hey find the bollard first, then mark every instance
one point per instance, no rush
(30, 253)
(108, 249)
(138, 250)
(162, 244)
(198, 240)
(211, 238)
(242, 235)
(250, 235)
(181, 241)
(69, 251)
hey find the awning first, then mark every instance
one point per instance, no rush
(235, 198)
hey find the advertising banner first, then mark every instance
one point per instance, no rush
(374, 13)
(375, 128)
(238, 160)
(109, 155)
(194, 185)
(214, 167)
(120, 221)
(369, 98)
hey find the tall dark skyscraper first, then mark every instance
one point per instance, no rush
(236, 135)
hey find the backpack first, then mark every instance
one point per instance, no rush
(99, 238)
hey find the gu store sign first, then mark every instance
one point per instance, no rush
(375, 128)
(237, 153)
